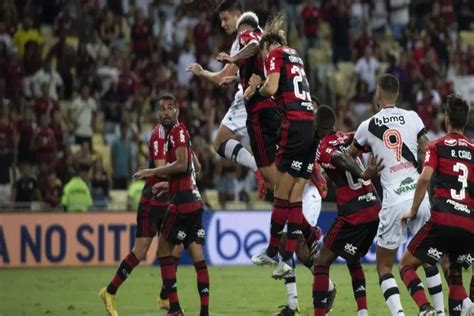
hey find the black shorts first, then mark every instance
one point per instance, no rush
(297, 148)
(262, 127)
(434, 240)
(184, 228)
(149, 215)
(349, 241)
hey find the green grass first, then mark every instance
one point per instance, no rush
(245, 290)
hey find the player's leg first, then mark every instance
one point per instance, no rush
(324, 258)
(168, 240)
(433, 277)
(227, 141)
(471, 294)
(162, 301)
(458, 301)
(358, 286)
(193, 243)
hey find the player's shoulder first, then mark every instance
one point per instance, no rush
(451, 140)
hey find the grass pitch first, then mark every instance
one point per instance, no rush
(241, 290)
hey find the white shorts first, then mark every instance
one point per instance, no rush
(391, 234)
(236, 116)
(311, 204)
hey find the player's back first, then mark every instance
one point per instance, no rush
(452, 186)
(392, 134)
(293, 93)
(357, 200)
(184, 194)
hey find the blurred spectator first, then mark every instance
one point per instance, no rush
(122, 159)
(141, 35)
(47, 74)
(134, 193)
(44, 145)
(65, 55)
(226, 186)
(435, 131)
(51, 192)
(399, 16)
(379, 17)
(76, 194)
(83, 156)
(186, 58)
(310, 16)
(340, 24)
(359, 15)
(366, 68)
(100, 184)
(83, 114)
(13, 75)
(344, 119)
(8, 140)
(31, 64)
(27, 33)
(26, 188)
(465, 14)
(428, 103)
(26, 129)
(202, 35)
(5, 37)
(96, 49)
(110, 30)
(61, 134)
(64, 22)
(44, 103)
(361, 103)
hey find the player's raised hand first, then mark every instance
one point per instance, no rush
(160, 188)
(225, 58)
(374, 166)
(228, 80)
(195, 68)
(255, 80)
(408, 216)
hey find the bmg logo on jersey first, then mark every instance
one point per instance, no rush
(400, 119)
(435, 253)
(350, 249)
(296, 165)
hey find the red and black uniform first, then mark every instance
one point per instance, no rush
(296, 149)
(183, 222)
(45, 143)
(263, 119)
(450, 230)
(358, 205)
(151, 209)
(141, 34)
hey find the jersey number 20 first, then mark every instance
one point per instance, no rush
(300, 77)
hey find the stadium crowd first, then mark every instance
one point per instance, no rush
(79, 81)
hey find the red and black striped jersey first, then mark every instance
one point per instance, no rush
(452, 185)
(156, 151)
(293, 94)
(357, 200)
(184, 194)
(45, 142)
(250, 66)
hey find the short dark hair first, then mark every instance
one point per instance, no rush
(167, 96)
(229, 5)
(457, 110)
(389, 86)
(325, 118)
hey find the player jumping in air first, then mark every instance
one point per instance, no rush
(183, 221)
(449, 170)
(358, 206)
(396, 136)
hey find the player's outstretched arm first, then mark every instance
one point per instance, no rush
(420, 192)
(346, 162)
(214, 77)
(178, 166)
(247, 51)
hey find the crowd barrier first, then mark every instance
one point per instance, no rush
(103, 239)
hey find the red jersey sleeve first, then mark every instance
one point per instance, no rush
(324, 153)
(180, 137)
(273, 62)
(431, 157)
(247, 36)
(157, 146)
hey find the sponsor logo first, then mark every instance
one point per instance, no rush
(350, 249)
(400, 119)
(297, 232)
(367, 197)
(205, 290)
(466, 258)
(401, 166)
(459, 206)
(360, 289)
(310, 168)
(201, 233)
(458, 308)
(181, 235)
(407, 185)
(125, 272)
(272, 63)
(296, 165)
(175, 285)
(450, 142)
(435, 253)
